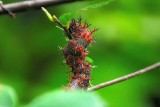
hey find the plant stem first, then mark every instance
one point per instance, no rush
(62, 26)
(123, 78)
(24, 5)
(13, 15)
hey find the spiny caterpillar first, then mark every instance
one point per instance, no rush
(80, 37)
(75, 54)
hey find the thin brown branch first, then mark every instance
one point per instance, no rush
(30, 4)
(123, 78)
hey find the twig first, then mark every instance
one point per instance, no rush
(123, 78)
(24, 5)
(13, 15)
(56, 20)
(62, 26)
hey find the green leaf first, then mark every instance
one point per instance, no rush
(66, 17)
(47, 14)
(97, 5)
(8, 97)
(89, 60)
(62, 98)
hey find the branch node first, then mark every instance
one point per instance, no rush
(13, 15)
(64, 27)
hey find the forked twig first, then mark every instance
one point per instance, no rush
(28, 4)
(13, 15)
(62, 26)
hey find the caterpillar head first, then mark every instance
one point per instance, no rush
(79, 30)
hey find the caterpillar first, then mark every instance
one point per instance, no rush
(75, 54)
(80, 37)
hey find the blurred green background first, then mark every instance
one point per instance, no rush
(128, 40)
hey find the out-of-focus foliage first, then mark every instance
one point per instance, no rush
(63, 98)
(97, 5)
(128, 40)
(8, 97)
